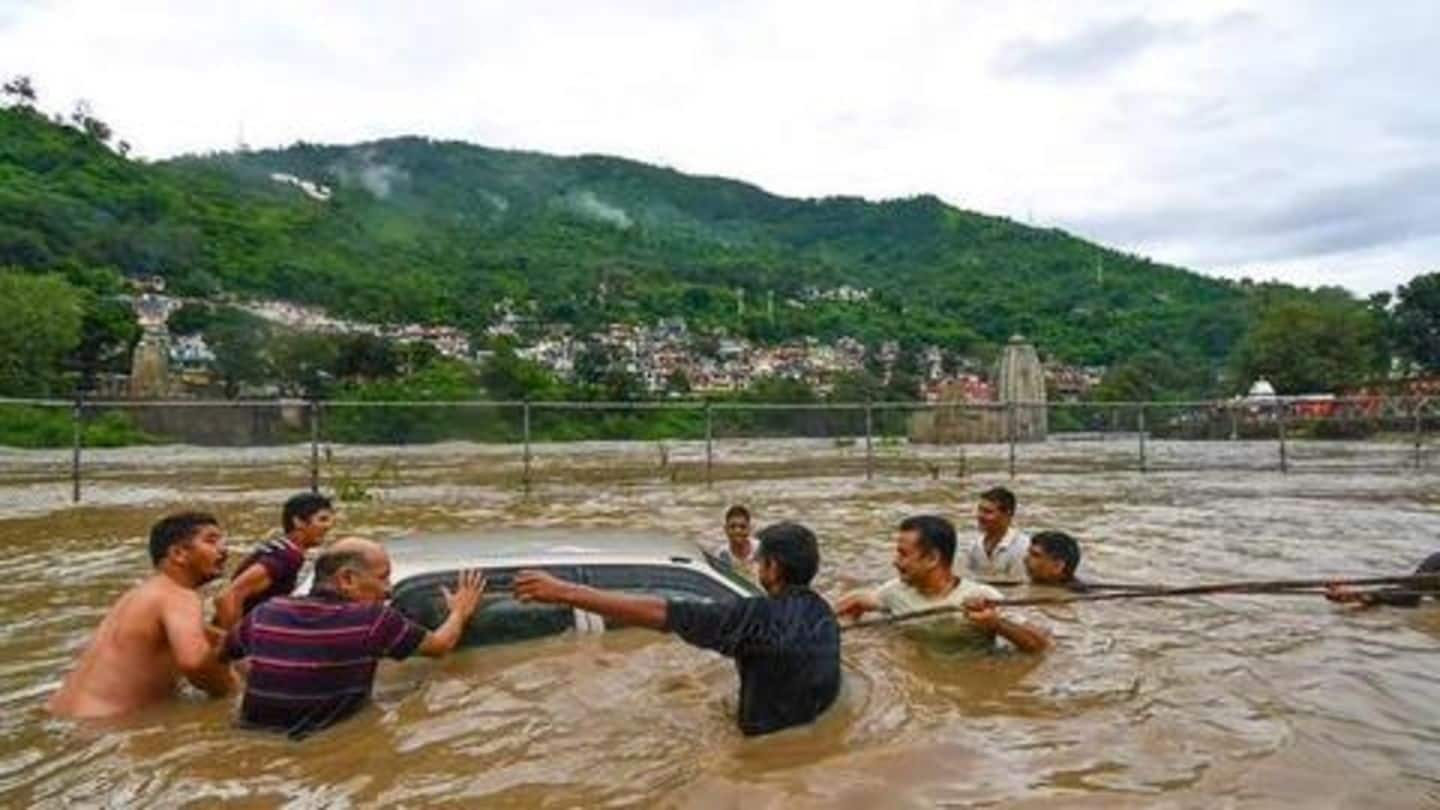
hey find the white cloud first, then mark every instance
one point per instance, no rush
(1198, 132)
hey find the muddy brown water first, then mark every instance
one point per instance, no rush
(1214, 702)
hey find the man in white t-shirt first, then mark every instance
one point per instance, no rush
(998, 553)
(924, 559)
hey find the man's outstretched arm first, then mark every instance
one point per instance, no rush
(642, 611)
(855, 604)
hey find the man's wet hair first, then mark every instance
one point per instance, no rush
(794, 548)
(176, 530)
(332, 561)
(303, 507)
(737, 511)
(935, 533)
(1001, 497)
(1062, 547)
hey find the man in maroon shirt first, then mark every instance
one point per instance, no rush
(274, 568)
(313, 658)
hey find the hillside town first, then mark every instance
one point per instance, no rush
(666, 358)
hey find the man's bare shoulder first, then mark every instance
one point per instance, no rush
(153, 597)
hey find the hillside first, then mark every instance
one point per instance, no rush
(420, 230)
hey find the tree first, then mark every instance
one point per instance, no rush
(303, 362)
(857, 386)
(678, 382)
(1416, 321)
(1154, 377)
(366, 357)
(20, 92)
(84, 119)
(107, 332)
(620, 385)
(238, 340)
(593, 363)
(40, 322)
(1322, 342)
(508, 376)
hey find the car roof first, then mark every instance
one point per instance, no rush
(442, 551)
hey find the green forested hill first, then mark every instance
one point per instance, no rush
(421, 230)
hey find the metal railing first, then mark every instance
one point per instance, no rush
(1303, 434)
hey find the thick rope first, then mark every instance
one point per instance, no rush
(1277, 586)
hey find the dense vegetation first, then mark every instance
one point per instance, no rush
(442, 232)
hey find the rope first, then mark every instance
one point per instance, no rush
(1277, 586)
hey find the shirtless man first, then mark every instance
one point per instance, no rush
(155, 632)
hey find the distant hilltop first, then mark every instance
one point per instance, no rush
(412, 230)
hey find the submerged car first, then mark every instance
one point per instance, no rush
(638, 562)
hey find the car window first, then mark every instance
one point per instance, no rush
(666, 582)
(500, 618)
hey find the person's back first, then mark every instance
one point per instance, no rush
(128, 662)
(313, 658)
(786, 645)
(306, 687)
(786, 649)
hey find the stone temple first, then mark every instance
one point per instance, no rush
(150, 364)
(1019, 406)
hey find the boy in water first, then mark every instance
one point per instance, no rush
(273, 569)
(739, 548)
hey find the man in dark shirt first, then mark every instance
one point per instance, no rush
(786, 645)
(1052, 559)
(273, 569)
(1395, 597)
(313, 658)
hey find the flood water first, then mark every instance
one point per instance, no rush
(1213, 702)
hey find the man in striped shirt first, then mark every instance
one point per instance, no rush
(273, 569)
(313, 658)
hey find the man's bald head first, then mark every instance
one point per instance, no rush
(353, 554)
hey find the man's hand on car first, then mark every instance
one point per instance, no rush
(538, 586)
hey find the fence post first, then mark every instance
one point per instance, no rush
(1234, 423)
(1419, 431)
(77, 418)
(1010, 433)
(709, 443)
(869, 448)
(525, 431)
(1284, 460)
(1140, 423)
(314, 445)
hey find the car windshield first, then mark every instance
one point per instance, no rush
(723, 569)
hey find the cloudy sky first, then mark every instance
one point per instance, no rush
(1275, 139)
